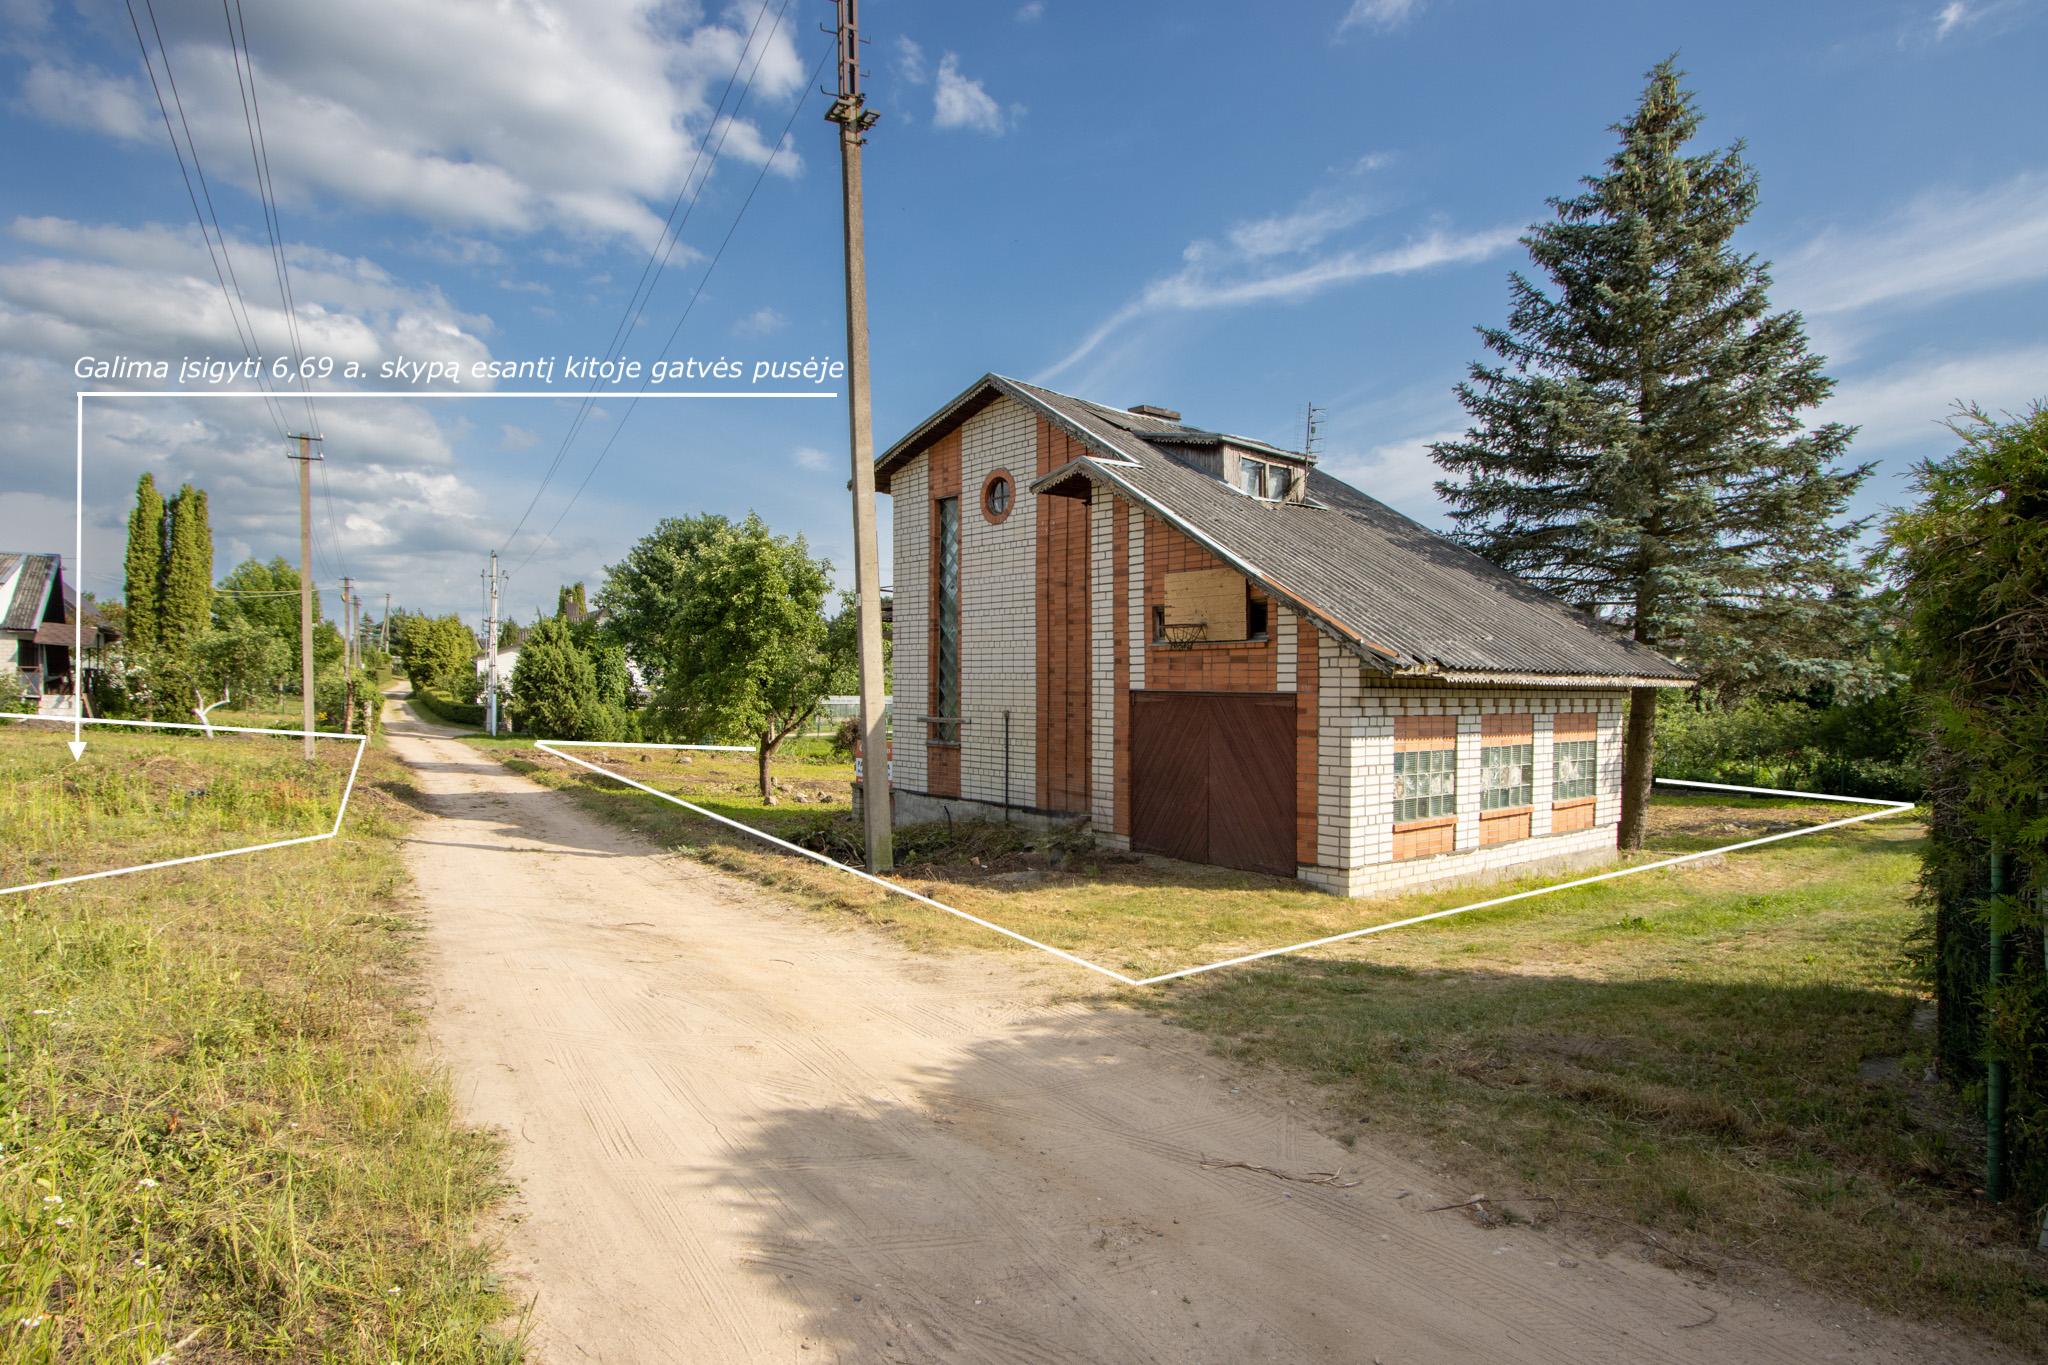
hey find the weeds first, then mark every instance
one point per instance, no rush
(216, 1137)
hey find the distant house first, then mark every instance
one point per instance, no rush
(38, 610)
(1204, 646)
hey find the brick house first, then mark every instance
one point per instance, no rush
(1205, 647)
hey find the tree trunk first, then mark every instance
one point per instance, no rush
(1638, 754)
(763, 751)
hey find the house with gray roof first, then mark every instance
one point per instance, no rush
(1206, 647)
(37, 634)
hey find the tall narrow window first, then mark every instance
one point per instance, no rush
(946, 673)
(1507, 756)
(1425, 785)
(1574, 771)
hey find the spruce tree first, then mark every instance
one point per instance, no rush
(144, 566)
(185, 605)
(1639, 449)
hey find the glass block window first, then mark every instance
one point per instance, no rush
(946, 609)
(1575, 769)
(1425, 784)
(1505, 776)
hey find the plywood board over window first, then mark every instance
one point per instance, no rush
(1211, 598)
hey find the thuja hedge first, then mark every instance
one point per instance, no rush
(1972, 562)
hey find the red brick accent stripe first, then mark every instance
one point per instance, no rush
(1120, 556)
(1062, 652)
(1308, 680)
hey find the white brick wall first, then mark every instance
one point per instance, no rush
(1282, 624)
(999, 608)
(1355, 759)
(1102, 606)
(1138, 632)
(911, 577)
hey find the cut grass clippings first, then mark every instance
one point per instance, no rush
(217, 1136)
(1730, 1056)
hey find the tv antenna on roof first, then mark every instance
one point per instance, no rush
(1312, 430)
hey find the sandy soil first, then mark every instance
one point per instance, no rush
(742, 1135)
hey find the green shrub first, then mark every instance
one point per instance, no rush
(439, 703)
(1862, 748)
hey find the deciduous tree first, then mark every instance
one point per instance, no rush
(727, 622)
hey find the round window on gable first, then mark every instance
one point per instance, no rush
(997, 496)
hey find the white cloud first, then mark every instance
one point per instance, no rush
(911, 67)
(1942, 245)
(961, 102)
(1234, 275)
(1288, 233)
(588, 113)
(1955, 14)
(1905, 404)
(88, 99)
(514, 437)
(1379, 14)
(813, 459)
(763, 321)
(1031, 13)
(393, 506)
(1399, 473)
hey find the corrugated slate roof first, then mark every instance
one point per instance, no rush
(1406, 598)
(31, 590)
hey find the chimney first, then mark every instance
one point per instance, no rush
(1151, 410)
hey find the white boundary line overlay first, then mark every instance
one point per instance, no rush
(324, 395)
(361, 742)
(79, 720)
(1885, 807)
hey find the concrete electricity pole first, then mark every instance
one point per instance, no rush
(849, 111)
(305, 457)
(384, 628)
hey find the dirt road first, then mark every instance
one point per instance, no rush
(742, 1135)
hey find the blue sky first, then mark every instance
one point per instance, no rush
(1225, 209)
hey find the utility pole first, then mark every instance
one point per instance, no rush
(384, 628)
(348, 661)
(850, 112)
(491, 651)
(305, 457)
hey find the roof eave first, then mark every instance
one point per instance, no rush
(1510, 678)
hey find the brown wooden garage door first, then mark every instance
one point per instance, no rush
(1212, 778)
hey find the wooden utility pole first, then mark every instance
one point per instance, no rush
(849, 111)
(305, 457)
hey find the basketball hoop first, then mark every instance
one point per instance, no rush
(1185, 635)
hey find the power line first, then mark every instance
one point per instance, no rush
(664, 247)
(249, 348)
(273, 226)
(802, 97)
(266, 193)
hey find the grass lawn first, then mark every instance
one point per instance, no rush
(217, 1135)
(1729, 1056)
